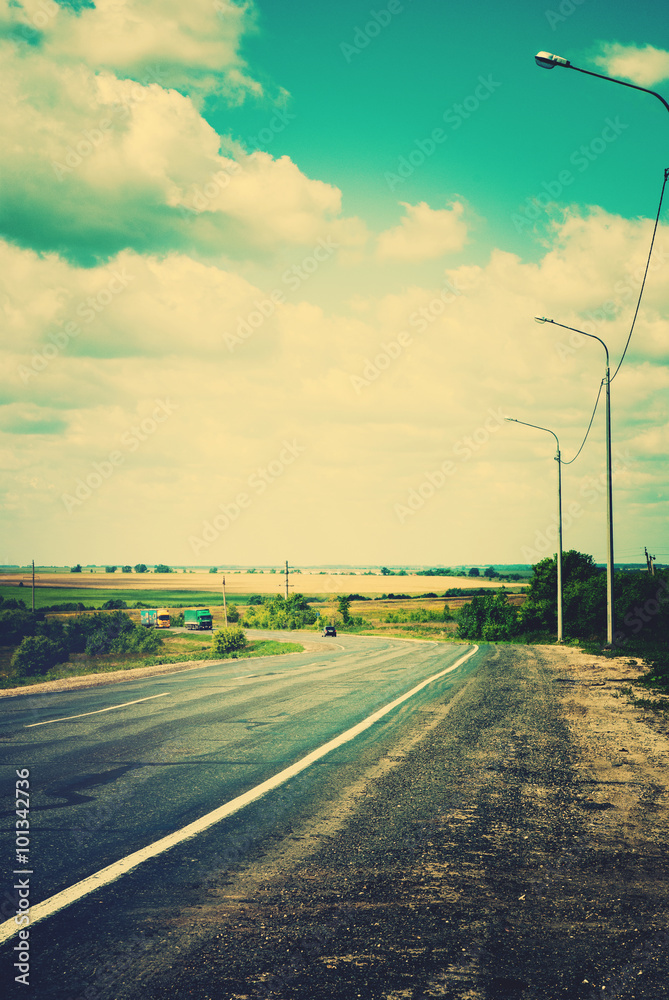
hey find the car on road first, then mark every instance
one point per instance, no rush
(329, 630)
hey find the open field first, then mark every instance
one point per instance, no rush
(236, 583)
(95, 597)
(377, 612)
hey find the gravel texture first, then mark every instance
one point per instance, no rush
(512, 844)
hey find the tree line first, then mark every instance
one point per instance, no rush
(641, 611)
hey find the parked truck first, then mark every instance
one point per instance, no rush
(197, 618)
(148, 617)
(155, 618)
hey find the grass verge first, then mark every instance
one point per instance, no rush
(112, 663)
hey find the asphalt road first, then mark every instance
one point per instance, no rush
(469, 845)
(118, 767)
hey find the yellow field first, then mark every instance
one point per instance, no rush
(255, 583)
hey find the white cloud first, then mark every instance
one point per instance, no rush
(139, 243)
(194, 47)
(440, 394)
(424, 233)
(645, 66)
(93, 164)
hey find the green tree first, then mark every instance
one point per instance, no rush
(474, 572)
(110, 569)
(490, 572)
(213, 569)
(233, 613)
(344, 608)
(126, 569)
(141, 568)
(385, 571)
(162, 568)
(76, 569)
(539, 613)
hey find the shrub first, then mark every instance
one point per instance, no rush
(13, 604)
(114, 604)
(14, 626)
(233, 613)
(227, 640)
(140, 640)
(490, 618)
(36, 655)
(105, 633)
(276, 612)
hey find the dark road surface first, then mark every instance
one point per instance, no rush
(450, 850)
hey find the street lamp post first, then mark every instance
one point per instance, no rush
(558, 459)
(548, 61)
(609, 480)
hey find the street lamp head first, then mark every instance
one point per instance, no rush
(541, 319)
(548, 61)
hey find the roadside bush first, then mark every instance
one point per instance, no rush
(98, 635)
(490, 618)
(279, 613)
(14, 626)
(36, 655)
(140, 640)
(227, 640)
(233, 613)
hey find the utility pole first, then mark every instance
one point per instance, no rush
(649, 562)
(287, 584)
(33, 586)
(225, 609)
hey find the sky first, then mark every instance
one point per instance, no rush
(269, 273)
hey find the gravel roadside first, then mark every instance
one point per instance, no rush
(512, 845)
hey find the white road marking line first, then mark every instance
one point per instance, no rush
(97, 711)
(114, 871)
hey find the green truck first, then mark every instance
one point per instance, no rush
(198, 618)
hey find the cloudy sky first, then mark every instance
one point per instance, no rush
(269, 273)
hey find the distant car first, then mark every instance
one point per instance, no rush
(329, 630)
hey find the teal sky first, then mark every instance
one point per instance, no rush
(358, 112)
(269, 273)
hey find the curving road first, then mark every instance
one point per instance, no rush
(116, 768)
(480, 828)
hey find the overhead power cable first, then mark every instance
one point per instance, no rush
(589, 426)
(645, 273)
